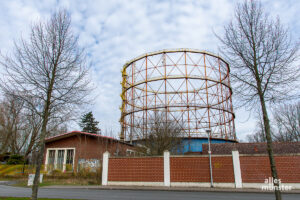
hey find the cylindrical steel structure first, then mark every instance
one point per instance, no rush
(191, 87)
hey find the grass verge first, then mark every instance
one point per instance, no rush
(69, 181)
(28, 198)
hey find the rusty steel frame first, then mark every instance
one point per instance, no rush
(191, 87)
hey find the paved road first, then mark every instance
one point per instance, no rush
(138, 194)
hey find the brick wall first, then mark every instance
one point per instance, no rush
(189, 169)
(150, 169)
(288, 168)
(196, 169)
(223, 169)
(255, 169)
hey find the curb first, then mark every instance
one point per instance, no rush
(177, 189)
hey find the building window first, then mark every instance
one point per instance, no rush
(51, 159)
(130, 152)
(69, 161)
(60, 159)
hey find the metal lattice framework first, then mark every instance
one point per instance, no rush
(191, 87)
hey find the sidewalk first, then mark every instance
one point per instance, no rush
(183, 189)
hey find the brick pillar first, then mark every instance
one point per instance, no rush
(105, 168)
(167, 168)
(237, 169)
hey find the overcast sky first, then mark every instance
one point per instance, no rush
(114, 32)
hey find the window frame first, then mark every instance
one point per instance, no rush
(56, 157)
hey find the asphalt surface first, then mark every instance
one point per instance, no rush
(99, 194)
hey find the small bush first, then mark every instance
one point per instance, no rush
(57, 172)
(15, 159)
(4, 157)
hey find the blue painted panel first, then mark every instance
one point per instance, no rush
(195, 144)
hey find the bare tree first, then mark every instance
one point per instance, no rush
(30, 136)
(20, 128)
(11, 124)
(162, 135)
(287, 123)
(261, 54)
(48, 72)
(259, 134)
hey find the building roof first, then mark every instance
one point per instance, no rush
(191, 138)
(253, 148)
(72, 133)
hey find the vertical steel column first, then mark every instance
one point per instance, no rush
(208, 107)
(227, 106)
(143, 108)
(125, 110)
(187, 95)
(133, 96)
(146, 96)
(220, 128)
(231, 106)
(195, 106)
(224, 117)
(155, 104)
(132, 103)
(166, 103)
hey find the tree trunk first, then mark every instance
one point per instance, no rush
(269, 143)
(39, 162)
(40, 159)
(6, 143)
(266, 122)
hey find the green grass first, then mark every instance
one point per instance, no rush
(28, 198)
(45, 183)
(13, 170)
(49, 182)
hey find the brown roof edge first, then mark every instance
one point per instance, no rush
(72, 133)
(253, 148)
(231, 140)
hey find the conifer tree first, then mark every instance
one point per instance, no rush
(89, 124)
